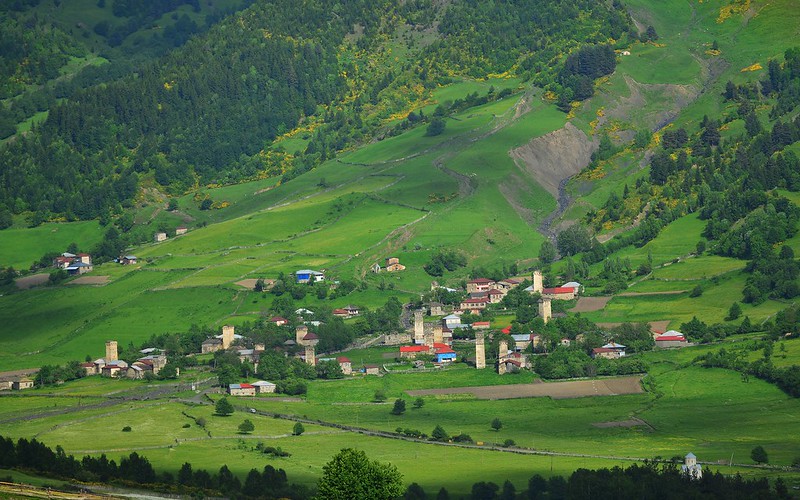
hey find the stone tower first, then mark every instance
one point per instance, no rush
(545, 310)
(502, 355)
(438, 336)
(111, 351)
(300, 332)
(419, 327)
(227, 336)
(311, 356)
(428, 341)
(538, 283)
(480, 351)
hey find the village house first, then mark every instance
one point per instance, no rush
(412, 351)
(137, 370)
(559, 293)
(669, 339)
(181, 230)
(474, 306)
(480, 285)
(444, 355)
(264, 387)
(376, 268)
(78, 268)
(393, 265)
(309, 276)
(241, 390)
(352, 310)
(160, 236)
(278, 321)
(453, 321)
(371, 370)
(341, 313)
(436, 309)
(5, 385)
(507, 284)
(114, 368)
(481, 325)
(22, 384)
(128, 260)
(345, 365)
(521, 341)
(609, 351)
(90, 368)
(495, 296)
(212, 344)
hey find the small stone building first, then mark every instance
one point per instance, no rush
(241, 390)
(372, 369)
(22, 384)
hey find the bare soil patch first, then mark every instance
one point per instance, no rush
(555, 390)
(248, 283)
(32, 281)
(91, 280)
(633, 422)
(554, 157)
(590, 304)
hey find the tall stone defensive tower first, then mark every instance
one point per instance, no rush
(502, 355)
(300, 332)
(545, 309)
(311, 356)
(538, 282)
(111, 351)
(438, 335)
(480, 351)
(227, 336)
(419, 327)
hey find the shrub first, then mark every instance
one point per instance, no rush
(127, 428)
(508, 443)
(298, 429)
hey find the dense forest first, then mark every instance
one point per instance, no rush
(203, 113)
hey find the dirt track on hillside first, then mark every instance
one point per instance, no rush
(91, 280)
(555, 390)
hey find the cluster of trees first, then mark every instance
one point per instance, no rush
(445, 260)
(574, 362)
(581, 69)
(135, 469)
(53, 374)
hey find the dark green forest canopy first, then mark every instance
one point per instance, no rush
(202, 113)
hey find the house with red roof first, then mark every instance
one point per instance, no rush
(481, 325)
(606, 352)
(278, 321)
(671, 338)
(241, 390)
(559, 293)
(341, 313)
(480, 285)
(474, 306)
(412, 351)
(345, 365)
(495, 296)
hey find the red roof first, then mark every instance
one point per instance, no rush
(413, 348)
(444, 350)
(342, 359)
(481, 323)
(246, 386)
(598, 350)
(310, 336)
(506, 330)
(474, 301)
(87, 365)
(439, 345)
(341, 311)
(278, 319)
(671, 338)
(494, 292)
(559, 289)
(481, 281)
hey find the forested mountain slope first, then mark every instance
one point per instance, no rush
(202, 113)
